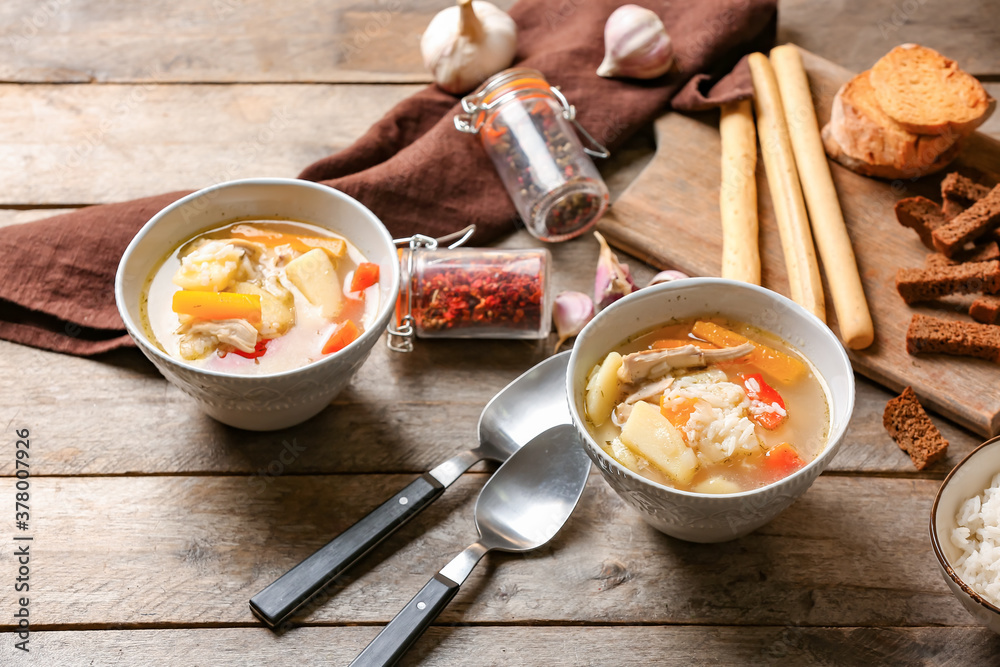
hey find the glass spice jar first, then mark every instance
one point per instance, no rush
(471, 293)
(524, 125)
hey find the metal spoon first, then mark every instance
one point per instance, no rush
(521, 508)
(532, 403)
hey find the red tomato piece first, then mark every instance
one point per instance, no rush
(365, 276)
(258, 350)
(345, 334)
(767, 408)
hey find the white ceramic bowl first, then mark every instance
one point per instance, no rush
(276, 400)
(699, 517)
(969, 478)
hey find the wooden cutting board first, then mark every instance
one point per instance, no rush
(669, 217)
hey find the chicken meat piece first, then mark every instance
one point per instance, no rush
(653, 364)
(201, 337)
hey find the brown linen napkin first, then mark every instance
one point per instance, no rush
(412, 168)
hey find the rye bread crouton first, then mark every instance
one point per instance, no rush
(986, 309)
(930, 335)
(962, 190)
(980, 253)
(976, 221)
(922, 216)
(934, 282)
(912, 429)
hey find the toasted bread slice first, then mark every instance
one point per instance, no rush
(890, 172)
(866, 133)
(927, 93)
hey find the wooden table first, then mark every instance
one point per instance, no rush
(153, 525)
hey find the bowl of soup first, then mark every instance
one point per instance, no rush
(259, 298)
(709, 405)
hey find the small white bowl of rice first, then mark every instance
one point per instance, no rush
(965, 532)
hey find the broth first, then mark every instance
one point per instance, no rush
(715, 426)
(300, 275)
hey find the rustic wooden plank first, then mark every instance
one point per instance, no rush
(161, 551)
(469, 646)
(668, 216)
(225, 40)
(97, 144)
(856, 33)
(378, 40)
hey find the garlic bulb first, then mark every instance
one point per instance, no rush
(666, 277)
(612, 280)
(466, 44)
(636, 44)
(571, 312)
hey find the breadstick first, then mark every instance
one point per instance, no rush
(738, 193)
(786, 193)
(832, 239)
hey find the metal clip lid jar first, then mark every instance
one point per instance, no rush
(470, 293)
(526, 127)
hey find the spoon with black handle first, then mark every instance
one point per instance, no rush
(522, 506)
(529, 405)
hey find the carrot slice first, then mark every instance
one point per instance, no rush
(345, 334)
(365, 276)
(783, 460)
(217, 305)
(679, 414)
(780, 366)
(270, 238)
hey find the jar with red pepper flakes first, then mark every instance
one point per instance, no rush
(471, 293)
(525, 126)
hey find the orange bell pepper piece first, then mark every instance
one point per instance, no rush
(345, 334)
(217, 305)
(365, 276)
(678, 415)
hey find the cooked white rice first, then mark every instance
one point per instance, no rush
(719, 426)
(978, 536)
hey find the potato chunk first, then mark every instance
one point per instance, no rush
(650, 435)
(313, 273)
(212, 266)
(603, 389)
(717, 485)
(276, 315)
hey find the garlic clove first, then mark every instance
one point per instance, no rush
(613, 279)
(466, 44)
(666, 277)
(636, 44)
(571, 312)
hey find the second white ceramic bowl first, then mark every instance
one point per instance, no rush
(969, 478)
(699, 517)
(276, 400)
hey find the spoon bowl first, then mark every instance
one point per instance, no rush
(530, 497)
